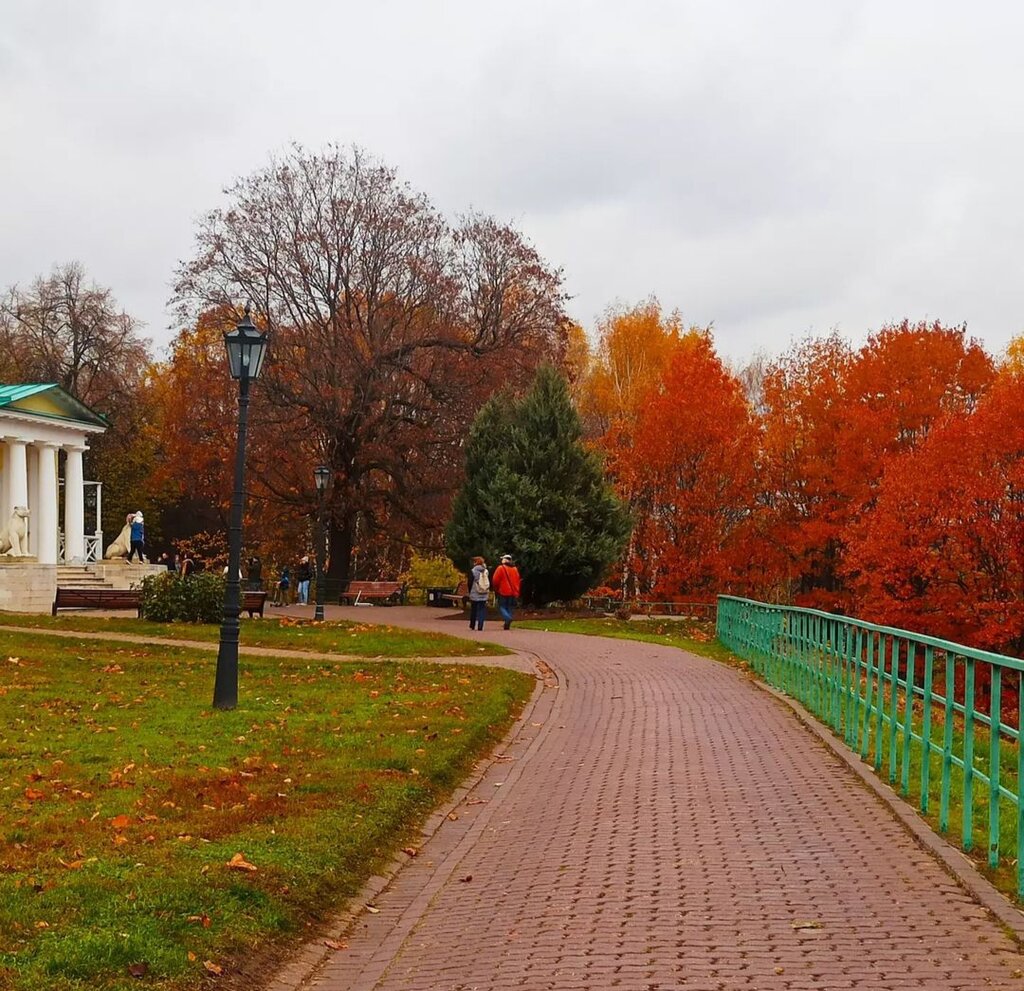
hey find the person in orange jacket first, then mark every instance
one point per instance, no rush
(505, 582)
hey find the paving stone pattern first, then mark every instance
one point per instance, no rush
(660, 823)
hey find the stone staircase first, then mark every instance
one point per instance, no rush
(80, 576)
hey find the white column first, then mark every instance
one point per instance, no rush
(17, 476)
(45, 512)
(74, 506)
(32, 468)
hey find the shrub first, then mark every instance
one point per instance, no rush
(168, 597)
(429, 571)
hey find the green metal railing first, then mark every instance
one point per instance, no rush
(910, 704)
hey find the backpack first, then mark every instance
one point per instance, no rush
(482, 583)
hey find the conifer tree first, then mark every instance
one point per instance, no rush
(534, 491)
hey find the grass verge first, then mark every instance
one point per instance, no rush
(126, 800)
(354, 639)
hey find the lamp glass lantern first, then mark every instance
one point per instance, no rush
(246, 348)
(321, 475)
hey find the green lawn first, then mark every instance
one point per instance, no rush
(125, 798)
(697, 637)
(355, 639)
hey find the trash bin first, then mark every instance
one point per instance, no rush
(434, 596)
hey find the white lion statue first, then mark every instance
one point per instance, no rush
(121, 546)
(12, 537)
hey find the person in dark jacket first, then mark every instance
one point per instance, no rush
(303, 577)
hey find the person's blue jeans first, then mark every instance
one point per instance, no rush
(477, 613)
(304, 592)
(505, 606)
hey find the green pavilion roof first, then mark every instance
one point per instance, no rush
(48, 400)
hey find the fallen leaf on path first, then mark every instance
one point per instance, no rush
(809, 924)
(373, 910)
(333, 944)
(410, 850)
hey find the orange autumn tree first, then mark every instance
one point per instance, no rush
(688, 464)
(943, 548)
(833, 419)
(801, 507)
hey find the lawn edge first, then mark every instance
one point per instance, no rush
(311, 956)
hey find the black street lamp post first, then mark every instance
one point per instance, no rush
(321, 475)
(246, 348)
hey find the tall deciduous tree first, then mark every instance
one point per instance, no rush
(64, 329)
(389, 328)
(534, 490)
(688, 467)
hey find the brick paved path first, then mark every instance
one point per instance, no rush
(660, 823)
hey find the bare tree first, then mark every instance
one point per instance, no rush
(390, 327)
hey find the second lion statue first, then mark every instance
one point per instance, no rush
(13, 537)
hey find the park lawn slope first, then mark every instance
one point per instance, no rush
(126, 799)
(353, 639)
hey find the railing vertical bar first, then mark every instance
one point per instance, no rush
(858, 666)
(1020, 783)
(926, 726)
(880, 713)
(908, 717)
(836, 652)
(865, 732)
(994, 712)
(894, 698)
(967, 830)
(949, 666)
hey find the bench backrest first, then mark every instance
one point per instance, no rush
(374, 586)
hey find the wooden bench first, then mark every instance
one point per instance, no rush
(460, 596)
(386, 593)
(253, 601)
(96, 598)
(131, 598)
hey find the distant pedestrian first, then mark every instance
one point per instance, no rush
(284, 583)
(186, 566)
(166, 560)
(479, 590)
(138, 532)
(506, 587)
(303, 577)
(255, 576)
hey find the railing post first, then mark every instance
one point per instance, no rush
(967, 830)
(926, 726)
(994, 711)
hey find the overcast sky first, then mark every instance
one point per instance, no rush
(774, 168)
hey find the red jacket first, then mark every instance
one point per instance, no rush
(505, 580)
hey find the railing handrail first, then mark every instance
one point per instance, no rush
(961, 650)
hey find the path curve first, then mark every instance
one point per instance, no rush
(657, 822)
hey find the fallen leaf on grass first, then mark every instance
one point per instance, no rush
(34, 795)
(138, 969)
(121, 822)
(212, 967)
(239, 863)
(203, 919)
(72, 866)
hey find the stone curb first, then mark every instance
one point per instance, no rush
(306, 963)
(958, 864)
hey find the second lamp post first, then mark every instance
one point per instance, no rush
(321, 475)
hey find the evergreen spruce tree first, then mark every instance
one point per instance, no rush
(534, 491)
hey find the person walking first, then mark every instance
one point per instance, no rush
(506, 587)
(303, 577)
(281, 588)
(138, 532)
(479, 590)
